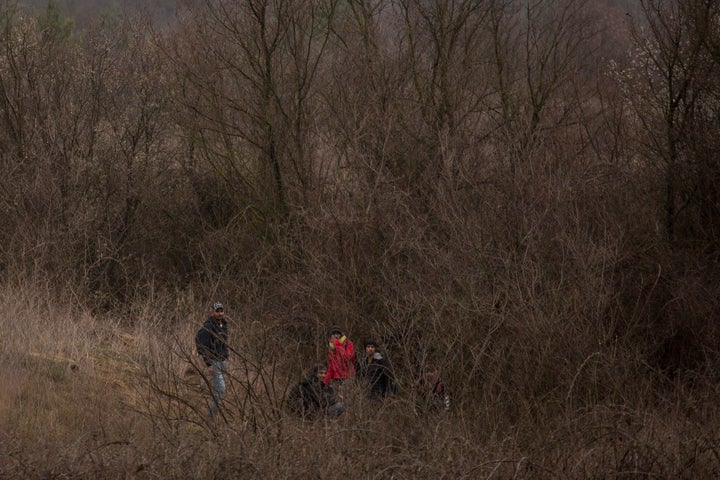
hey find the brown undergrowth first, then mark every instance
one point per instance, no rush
(85, 398)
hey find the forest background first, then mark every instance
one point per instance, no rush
(523, 192)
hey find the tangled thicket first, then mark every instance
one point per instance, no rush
(525, 193)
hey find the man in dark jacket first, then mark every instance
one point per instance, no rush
(312, 398)
(374, 370)
(211, 342)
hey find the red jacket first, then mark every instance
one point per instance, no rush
(341, 361)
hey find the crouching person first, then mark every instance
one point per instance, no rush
(432, 394)
(312, 398)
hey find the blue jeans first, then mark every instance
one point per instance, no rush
(218, 384)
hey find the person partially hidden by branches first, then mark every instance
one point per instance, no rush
(374, 371)
(432, 394)
(312, 398)
(211, 342)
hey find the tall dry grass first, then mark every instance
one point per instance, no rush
(526, 253)
(100, 397)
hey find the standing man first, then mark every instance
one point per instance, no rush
(374, 369)
(341, 357)
(211, 342)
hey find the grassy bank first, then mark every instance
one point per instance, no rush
(86, 397)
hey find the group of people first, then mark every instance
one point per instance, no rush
(318, 394)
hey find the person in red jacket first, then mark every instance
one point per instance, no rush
(341, 357)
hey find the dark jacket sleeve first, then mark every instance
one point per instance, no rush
(380, 377)
(203, 340)
(295, 400)
(329, 396)
(306, 398)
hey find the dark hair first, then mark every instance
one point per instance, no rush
(319, 367)
(429, 368)
(370, 341)
(335, 329)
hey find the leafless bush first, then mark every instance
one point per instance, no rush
(454, 180)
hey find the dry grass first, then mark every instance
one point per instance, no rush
(89, 398)
(558, 262)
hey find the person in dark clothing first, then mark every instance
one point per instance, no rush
(375, 372)
(211, 342)
(312, 398)
(432, 394)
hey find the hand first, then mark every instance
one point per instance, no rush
(331, 345)
(342, 339)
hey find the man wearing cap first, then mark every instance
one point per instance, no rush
(211, 342)
(341, 357)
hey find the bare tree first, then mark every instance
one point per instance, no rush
(83, 147)
(446, 60)
(673, 88)
(249, 80)
(540, 53)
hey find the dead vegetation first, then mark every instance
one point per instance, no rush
(523, 193)
(134, 406)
